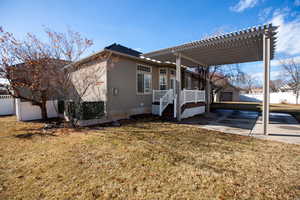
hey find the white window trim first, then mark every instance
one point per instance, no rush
(136, 78)
(167, 73)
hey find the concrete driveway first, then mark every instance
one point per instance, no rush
(283, 127)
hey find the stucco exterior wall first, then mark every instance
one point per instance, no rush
(123, 99)
(90, 81)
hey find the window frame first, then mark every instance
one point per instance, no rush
(166, 74)
(143, 72)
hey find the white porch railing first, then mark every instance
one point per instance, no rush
(166, 97)
(5, 97)
(158, 94)
(166, 100)
(192, 96)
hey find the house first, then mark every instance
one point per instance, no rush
(223, 90)
(228, 93)
(30, 92)
(130, 84)
(3, 90)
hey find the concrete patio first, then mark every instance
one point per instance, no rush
(282, 128)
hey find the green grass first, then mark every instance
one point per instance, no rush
(143, 159)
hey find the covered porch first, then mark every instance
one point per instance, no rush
(249, 45)
(161, 99)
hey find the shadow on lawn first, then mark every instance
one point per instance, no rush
(30, 135)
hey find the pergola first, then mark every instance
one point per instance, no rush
(249, 45)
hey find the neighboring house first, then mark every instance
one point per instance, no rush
(3, 91)
(223, 90)
(286, 87)
(256, 90)
(23, 75)
(26, 106)
(130, 84)
(228, 93)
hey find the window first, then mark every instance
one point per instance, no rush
(172, 79)
(172, 72)
(144, 79)
(163, 83)
(188, 82)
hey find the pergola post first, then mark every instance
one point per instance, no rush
(266, 86)
(207, 91)
(178, 86)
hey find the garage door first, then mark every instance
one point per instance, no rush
(226, 96)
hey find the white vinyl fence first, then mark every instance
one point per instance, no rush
(275, 97)
(25, 111)
(7, 105)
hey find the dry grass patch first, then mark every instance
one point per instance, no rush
(144, 160)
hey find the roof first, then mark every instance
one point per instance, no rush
(235, 47)
(118, 50)
(122, 49)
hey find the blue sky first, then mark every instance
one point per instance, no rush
(150, 25)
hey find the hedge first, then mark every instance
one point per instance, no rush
(85, 110)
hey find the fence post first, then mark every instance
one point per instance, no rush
(153, 96)
(175, 103)
(183, 96)
(160, 106)
(196, 96)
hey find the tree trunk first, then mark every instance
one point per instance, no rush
(44, 110)
(297, 97)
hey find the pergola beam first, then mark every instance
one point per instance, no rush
(193, 60)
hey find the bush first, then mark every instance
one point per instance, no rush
(85, 110)
(61, 107)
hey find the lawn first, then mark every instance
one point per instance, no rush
(282, 108)
(143, 159)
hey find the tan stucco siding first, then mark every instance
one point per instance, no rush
(90, 82)
(123, 99)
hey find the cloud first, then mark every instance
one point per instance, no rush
(288, 32)
(139, 49)
(3, 81)
(297, 2)
(259, 76)
(265, 14)
(277, 62)
(243, 5)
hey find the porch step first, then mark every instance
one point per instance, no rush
(168, 113)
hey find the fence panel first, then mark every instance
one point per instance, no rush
(7, 105)
(25, 111)
(275, 97)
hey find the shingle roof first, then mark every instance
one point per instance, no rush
(123, 49)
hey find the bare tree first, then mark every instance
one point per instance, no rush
(292, 72)
(221, 76)
(275, 85)
(33, 67)
(248, 82)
